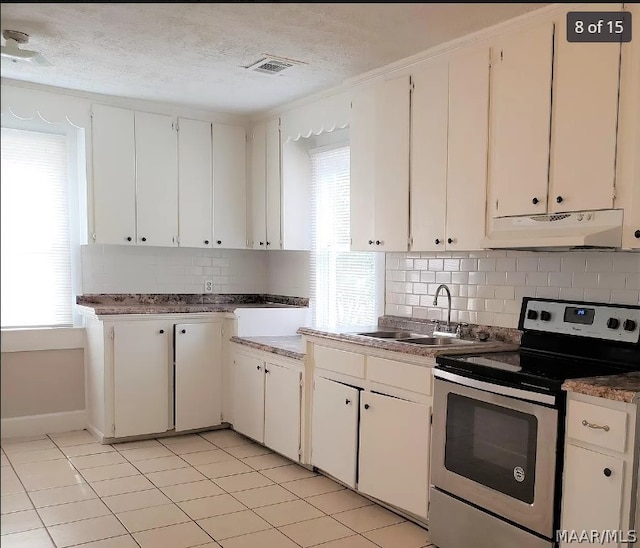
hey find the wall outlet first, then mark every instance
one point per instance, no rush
(208, 286)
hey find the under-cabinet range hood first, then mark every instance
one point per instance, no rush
(577, 229)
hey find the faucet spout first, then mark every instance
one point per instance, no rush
(435, 301)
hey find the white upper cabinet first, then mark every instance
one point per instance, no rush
(296, 196)
(156, 179)
(114, 175)
(584, 121)
(229, 187)
(194, 183)
(273, 185)
(521, 65)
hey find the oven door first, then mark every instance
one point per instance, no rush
(496, 452)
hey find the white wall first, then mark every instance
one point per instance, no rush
(487, 287)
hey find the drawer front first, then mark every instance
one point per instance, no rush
(340, 361)
(400, 374)
(597, 425)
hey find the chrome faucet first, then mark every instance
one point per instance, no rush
(435, 303)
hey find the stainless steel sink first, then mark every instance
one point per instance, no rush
(396, 335)
(436, 341)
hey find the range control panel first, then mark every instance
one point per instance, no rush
(597, 321)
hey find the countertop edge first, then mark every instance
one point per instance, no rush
(271, 348)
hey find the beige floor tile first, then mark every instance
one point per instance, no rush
(17, 446)
(141, 444)
(36, 476)
(287, 513)
(21, 439)
(160, 465)
(93, 461)
(112, 471)
(124, 541)
(402, 535)
(291, 472)
(86, 449)
(77, 437)
(241, 482)
(233, 525)
(150, 518)
(338, 501)
(225, 438)
(170, 440)
(207, 457)
(9, 482)
(62, 495)
(142, 453)
(183, 535)
(73, 511)
(4, 461)
(86, 530)
(37, 538)
(264, 462)
(184, 447)
(17, 522)
(175, 477)
(248, 450)
(271, 538)
(36, 456)
(224, 468)
(264, 496)
(209, 507)
(315, 531)
(356, 541)
(136, 500)
(43, 467)
(121, 485)
(368, 518)
(17, 502)
(312, 486)
(191, 491)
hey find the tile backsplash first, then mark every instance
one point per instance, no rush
(487, 287)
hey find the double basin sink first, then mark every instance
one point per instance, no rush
(413, 338)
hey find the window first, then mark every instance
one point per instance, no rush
(36, 273)
(344, 284)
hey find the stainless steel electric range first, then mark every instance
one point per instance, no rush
(498, 423)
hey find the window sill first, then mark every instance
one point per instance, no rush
(45, 338)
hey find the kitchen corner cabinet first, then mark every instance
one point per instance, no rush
(380, 133)
(600, 465)
(267, 401)
(265, 186)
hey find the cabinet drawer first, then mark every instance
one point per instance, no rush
(584, 418)
(399, 374)
(340, 361)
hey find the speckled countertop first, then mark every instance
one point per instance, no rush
(289, 346)
(625, 387)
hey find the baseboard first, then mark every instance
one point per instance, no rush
(50, 423)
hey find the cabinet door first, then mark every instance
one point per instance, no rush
(198, 375)
(362, 188)
(334, 429)
(194, 183)
(391, 161)
(591, 500)
(248, 396)
(229, 187)
(429, 131)
(142, 361)
(394, 451)
(520, 117)
(156, 179)
(282, 410)
(274, 185)
(114, 175)
(258, 187)
(584, 122)
(467, 163)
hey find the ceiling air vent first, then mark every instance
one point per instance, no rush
(273, 65)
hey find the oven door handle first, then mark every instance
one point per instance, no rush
(494, 388)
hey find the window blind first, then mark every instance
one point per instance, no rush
(343, 283)
(35, 241)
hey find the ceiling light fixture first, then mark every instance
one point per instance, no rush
(11, 50)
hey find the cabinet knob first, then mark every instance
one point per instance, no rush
(437, 240)
(161, 331)
(347, 401)
(206, 242)
(559, 199)
(143, 239)
(607, 472)
(637, 233)
(366, 406)
(268, 243)
(378, 242)
(128, 238)
(183, 331)
(449, 240)
(535, 201)
(261, 243)
(219, 242)
(258, 367)
(267, 371)
(370, 242)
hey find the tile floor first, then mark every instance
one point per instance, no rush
(211, 489)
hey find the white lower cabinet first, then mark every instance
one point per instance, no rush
(248, 396)
(394, 451)
(334, 434)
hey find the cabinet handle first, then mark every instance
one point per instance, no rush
(268, 243)
(347, 401)
(258, 367)
(637, 233)
(143, 239)
(370, 242)
(219, 242)
(366, 406)
(559, 199)
(206, 242)
(437, 240)
(261, 243)
(449, 240)
(378, 242)
(161, 331)
(595, 426)
(607, 472)
(128, 238)
(267, 371)
(535, 201)
(183, 331)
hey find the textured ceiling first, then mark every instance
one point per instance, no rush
(194, 53)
